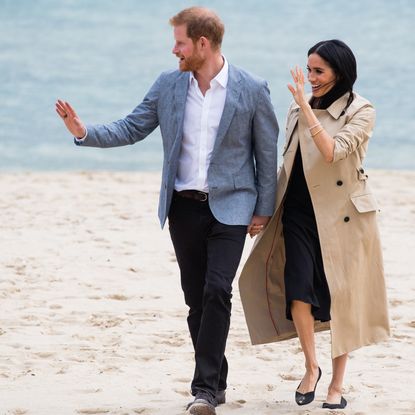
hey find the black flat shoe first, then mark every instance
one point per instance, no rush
(306, 398)
(340, 405)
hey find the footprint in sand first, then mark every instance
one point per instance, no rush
(93, 411)
(104, 321)
(288, 377)
(154, 391)
(400, 336)
(44, 355)
(236, 404)
(118, 297)
(372, 386)
(395, 303)
(183, 393)
(62, 371)
(173, 343)
(182, 380)
(265, 358)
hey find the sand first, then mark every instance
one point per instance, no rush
(93, 319)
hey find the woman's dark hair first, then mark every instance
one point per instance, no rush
(341, 59)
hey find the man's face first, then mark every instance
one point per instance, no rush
(190, 58)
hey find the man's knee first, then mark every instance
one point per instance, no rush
(217, 292)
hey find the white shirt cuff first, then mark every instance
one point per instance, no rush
(82, 139)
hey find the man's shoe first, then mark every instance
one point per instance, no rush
(203, 404)
(221, 397)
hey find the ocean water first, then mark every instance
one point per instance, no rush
(102, 57)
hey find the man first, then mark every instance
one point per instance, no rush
(218, 183)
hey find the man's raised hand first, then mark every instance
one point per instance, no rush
(73, 123)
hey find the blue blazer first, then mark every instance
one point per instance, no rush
(242, 174)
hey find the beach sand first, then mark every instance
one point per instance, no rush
(93, 318)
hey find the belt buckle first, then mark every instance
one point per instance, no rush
(203, 196)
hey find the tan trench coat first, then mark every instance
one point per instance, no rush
(345, 211)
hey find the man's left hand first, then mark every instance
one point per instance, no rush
(257, 224)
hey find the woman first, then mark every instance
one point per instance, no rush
(318, 264)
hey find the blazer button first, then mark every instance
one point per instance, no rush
(339, 183)
(346, 219)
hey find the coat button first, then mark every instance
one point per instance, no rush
(339, 183)
(361, 170)
(346, 219)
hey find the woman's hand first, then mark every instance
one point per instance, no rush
(298, 91)
(73, 123)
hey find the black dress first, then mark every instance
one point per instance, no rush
(304, 275)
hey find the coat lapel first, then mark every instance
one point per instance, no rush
(292, 122)
(232, 96)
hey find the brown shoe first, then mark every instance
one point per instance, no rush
(221, 397)
(203, 404)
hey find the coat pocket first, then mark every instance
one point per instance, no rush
(364, 202)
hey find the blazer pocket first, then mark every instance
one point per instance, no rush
(364, 202)
(243, 182)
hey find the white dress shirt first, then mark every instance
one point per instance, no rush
(200, 126)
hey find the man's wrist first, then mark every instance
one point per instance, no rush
(83, 137)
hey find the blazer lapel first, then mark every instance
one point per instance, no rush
(232, 96)
(180, 94)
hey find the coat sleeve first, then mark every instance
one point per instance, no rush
(265, 136)
(134, 127)
(355, 132)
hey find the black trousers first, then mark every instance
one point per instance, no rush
(208, 253)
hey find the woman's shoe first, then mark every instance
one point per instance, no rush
(340, 405)
(306, 398)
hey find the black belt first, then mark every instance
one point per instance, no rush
(193, 194)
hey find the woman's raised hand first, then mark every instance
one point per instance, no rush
(298, 90)
(73, 123)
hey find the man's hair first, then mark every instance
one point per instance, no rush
(199, 22)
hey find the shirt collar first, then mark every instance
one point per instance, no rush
(221, 78)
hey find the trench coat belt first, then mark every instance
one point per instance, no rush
(193, 194)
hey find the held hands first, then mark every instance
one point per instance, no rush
(258, 223)
(298, 91)
(73, 123)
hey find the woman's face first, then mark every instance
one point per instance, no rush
(320, 75)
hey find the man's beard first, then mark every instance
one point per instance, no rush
(192, 63)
